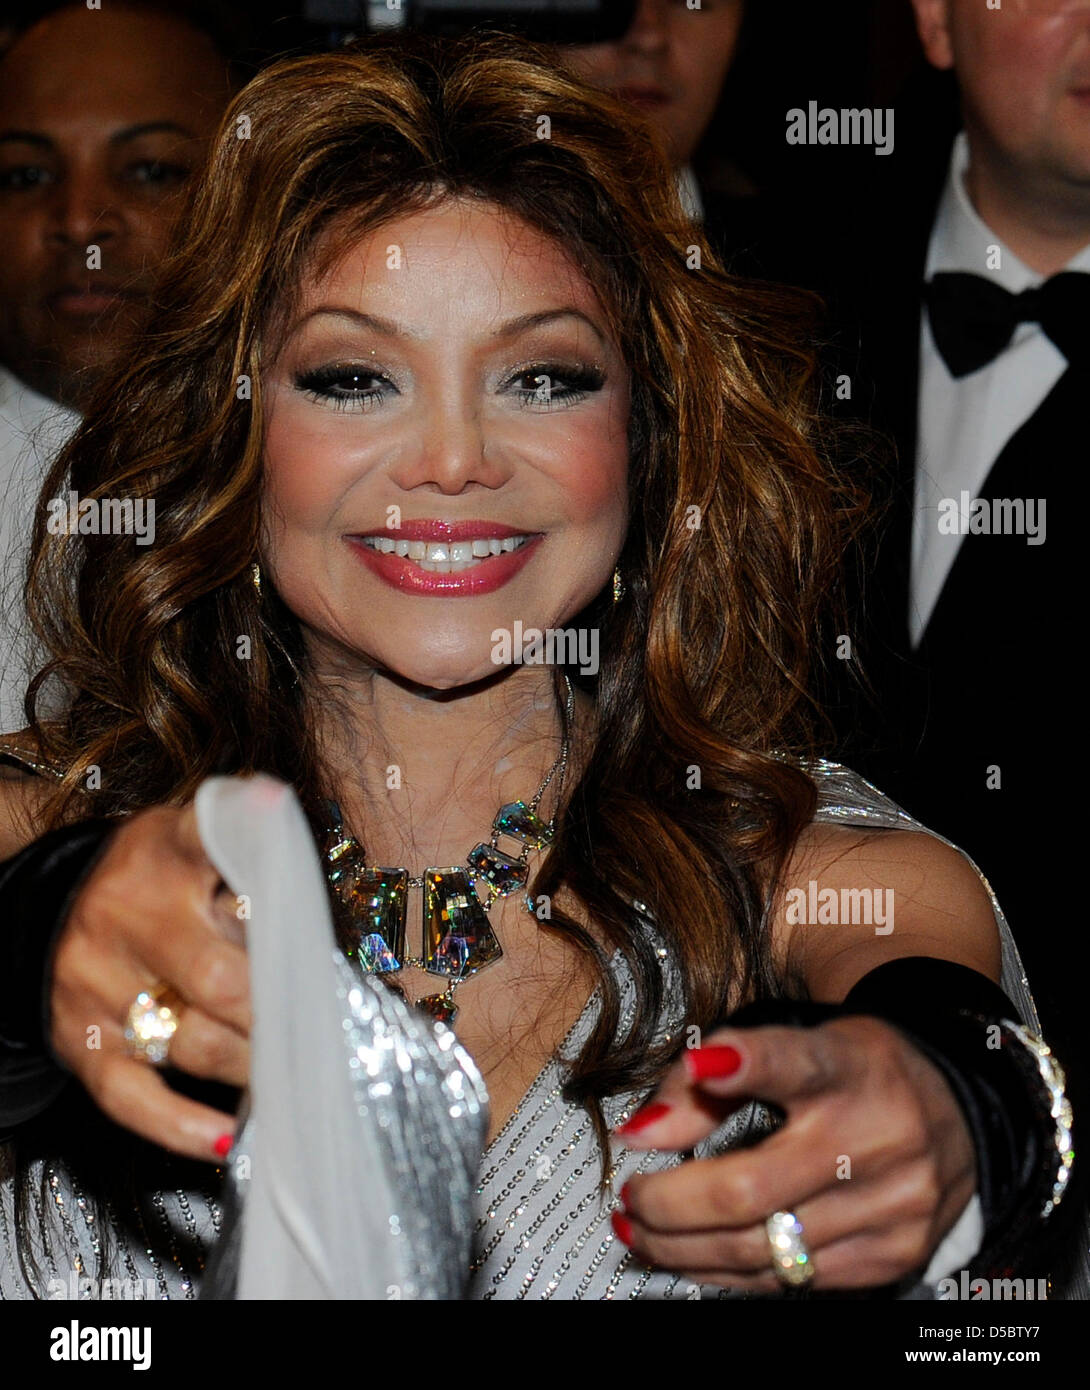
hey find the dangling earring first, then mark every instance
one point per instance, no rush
(618, 586)
(255, 575)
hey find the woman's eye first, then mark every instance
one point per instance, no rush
(345, 388)
(552, 383)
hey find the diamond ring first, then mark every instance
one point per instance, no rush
(790, 1257)
(151, 1023)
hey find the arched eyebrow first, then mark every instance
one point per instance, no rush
(511, 329)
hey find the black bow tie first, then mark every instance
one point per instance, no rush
(973, 319)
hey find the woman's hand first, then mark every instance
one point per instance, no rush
(151, 912)
(874, 1159)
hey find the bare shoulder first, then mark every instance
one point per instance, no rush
(915, 858)
(853, 897)
(23, 793)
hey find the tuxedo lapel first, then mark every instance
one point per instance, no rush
(997, 654)
(999, 715)
(1006, 583)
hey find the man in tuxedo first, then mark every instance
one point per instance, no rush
(974, 306)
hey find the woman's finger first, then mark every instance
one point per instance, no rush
(149, 903)
(204, 1047)
(866, 1261)
(229, 915)
(874, 1258)
(732, 1191)
(782, 1065)
(888, 1215)
(91, 1013)
(210, 973)
(187, 840)
(136, 1096)
(188, 949)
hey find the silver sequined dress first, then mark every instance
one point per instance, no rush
(541, 1227)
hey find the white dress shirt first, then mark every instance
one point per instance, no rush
(689, 192)
(32, 431)
(964, 424)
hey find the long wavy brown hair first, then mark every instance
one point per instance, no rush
(733, 547)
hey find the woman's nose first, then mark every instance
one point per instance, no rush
(453, 450)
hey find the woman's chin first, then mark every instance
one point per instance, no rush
(445, 675)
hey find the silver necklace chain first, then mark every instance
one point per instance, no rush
(558, 769)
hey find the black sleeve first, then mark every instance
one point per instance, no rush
(37, 887)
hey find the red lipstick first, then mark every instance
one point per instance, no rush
(490, 572)
(445, 531)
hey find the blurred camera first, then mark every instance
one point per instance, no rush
(547, 21)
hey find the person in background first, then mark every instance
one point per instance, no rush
(104, 117)
(967, 288)
(671, 64)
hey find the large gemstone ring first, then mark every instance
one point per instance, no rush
(151, 1024)
(790, 1257)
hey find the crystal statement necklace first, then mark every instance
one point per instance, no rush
(457, 938)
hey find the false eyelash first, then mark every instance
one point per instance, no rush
(581, 380)
(316, 385)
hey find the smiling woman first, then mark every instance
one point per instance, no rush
(490, 393)
(489, 402)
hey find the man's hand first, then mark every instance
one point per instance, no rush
(874, 1159)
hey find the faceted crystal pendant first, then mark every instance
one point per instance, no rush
(375, 956)
(458, 940)
(341, 853)
(376, 901)
(498, 875)
(339, 848)
(441, 1007)
(517, 820)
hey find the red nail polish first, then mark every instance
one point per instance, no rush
(642, 1118)
(706, 1063)
(622, 1227)
(222, 1147)
(624, 1195)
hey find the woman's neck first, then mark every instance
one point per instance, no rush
(420, 774)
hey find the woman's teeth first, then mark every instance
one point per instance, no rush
(444, 557)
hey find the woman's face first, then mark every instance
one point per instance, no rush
(449, 387)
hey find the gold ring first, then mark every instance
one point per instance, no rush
(790, 1257)
(151, 1023)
